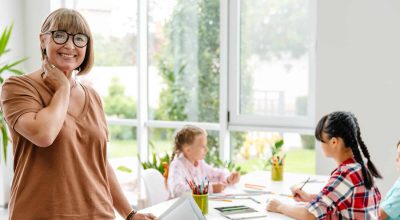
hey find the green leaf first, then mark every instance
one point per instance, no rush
(4, 39)
(9, 66)
(124, 169)
(4, 139)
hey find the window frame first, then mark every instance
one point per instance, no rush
(237, 120)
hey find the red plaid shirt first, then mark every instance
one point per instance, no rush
(345, 196)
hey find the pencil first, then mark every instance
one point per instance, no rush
(305, 183)
(222, 200)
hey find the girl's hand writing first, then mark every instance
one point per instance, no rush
(233, 178)
(218, 187)
(300, 195)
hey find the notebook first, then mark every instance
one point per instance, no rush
(239, 212)
(184, 208)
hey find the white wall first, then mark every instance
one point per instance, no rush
(35, 13)
(358, 54)
(27, 16)
(12, 11)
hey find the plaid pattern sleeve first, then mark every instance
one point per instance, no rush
(345, 196)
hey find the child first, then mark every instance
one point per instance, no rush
(190, 149)
(390, 207)
(350, 192)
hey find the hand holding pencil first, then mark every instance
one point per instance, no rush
(299, 195)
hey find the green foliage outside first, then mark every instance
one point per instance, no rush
(118, 105)
(297, 160)
(115, 51)
(189, 65)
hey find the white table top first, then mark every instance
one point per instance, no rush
(262, 178)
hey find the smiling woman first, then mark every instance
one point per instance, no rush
(58, 127)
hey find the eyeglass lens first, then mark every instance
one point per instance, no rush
(61, 37)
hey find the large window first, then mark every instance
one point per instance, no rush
(241, 69)
(272, 63)
(184, 60)
(114, 29)
(252, 150)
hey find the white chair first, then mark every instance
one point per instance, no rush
(156, 190)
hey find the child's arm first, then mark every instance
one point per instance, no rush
(214, 174)
(297, 212)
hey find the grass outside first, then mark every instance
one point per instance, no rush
(297, 160)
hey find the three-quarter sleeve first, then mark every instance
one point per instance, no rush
(18, 97)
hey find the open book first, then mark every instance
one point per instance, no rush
(240, 212)
(184, 208)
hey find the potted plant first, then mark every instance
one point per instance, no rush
(6, 67)
(276, 160)
(9, 68)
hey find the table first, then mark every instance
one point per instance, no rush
(262, 178)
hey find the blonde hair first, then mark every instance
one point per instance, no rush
(186, 136)
(71, 21)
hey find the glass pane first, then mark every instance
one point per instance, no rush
(114, 75)
(184, 60)
(122, 155)
(275, 40)
(162, 142)
(251, 151)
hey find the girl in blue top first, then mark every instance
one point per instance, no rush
(390, 207)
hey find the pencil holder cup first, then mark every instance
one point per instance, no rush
(277, 172)
(202, 202)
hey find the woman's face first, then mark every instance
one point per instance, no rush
(66, 57)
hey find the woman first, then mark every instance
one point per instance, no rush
(59, 132)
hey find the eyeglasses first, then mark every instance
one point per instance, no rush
(61, 37)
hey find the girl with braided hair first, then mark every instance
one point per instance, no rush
(350, 192)
(187, 163)
(390, 207)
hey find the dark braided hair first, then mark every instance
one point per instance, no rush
(344, 125)
(185, 136)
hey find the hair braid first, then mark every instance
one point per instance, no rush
(371, 167)
(368, 180)
(344, 125)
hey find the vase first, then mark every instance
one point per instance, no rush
(277, 172)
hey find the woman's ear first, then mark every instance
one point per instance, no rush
(43, 41)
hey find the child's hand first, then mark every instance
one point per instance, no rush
(300, 195)
(233, 178)
(273, 205)
(218, 187)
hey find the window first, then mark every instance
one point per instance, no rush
(114, 29)
(271, 63)
(190, 51)
(183, 60)
(251, 150)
